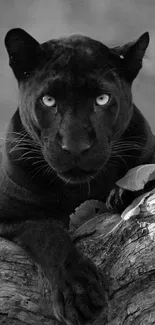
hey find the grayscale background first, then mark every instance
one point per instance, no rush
(113, 22)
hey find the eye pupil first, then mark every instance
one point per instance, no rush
(48, 101)
(102, 100)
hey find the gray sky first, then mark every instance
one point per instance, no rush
(111, 21)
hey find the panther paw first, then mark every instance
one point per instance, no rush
(79, 296)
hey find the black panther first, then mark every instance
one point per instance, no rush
(76, 131)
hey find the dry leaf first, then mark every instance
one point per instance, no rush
(136, 178)
(99, 226)
(86, 211)
(134, 208)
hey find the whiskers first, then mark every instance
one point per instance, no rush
(127, 144)
(20, 141)
(27, 150)
(89, 188)
(122, 152)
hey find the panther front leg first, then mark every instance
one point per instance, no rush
(77, 294)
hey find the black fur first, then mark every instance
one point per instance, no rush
(56, 158)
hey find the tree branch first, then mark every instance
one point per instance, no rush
(124, 254)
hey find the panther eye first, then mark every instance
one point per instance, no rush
(48, 101)
(102, 100)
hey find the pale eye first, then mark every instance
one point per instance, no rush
(48, 101)
(102, 100)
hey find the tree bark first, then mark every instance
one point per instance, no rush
(125, 255)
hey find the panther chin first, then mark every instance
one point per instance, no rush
(77, 175)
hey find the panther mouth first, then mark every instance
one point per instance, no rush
(77, 175)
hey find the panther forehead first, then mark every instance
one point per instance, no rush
(78, 45)
(74, 63)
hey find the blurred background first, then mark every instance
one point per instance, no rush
(113, 22)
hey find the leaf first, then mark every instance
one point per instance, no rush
(93, 218)
(136, 178)
(86, 211)
(99, 226)
(134, 208)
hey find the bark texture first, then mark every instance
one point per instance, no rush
(124, 252)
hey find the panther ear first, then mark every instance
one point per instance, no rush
(23, 52)
(131, 55)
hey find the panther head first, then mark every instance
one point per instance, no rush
(74, 97)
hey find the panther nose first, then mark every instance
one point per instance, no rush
(76, 149)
